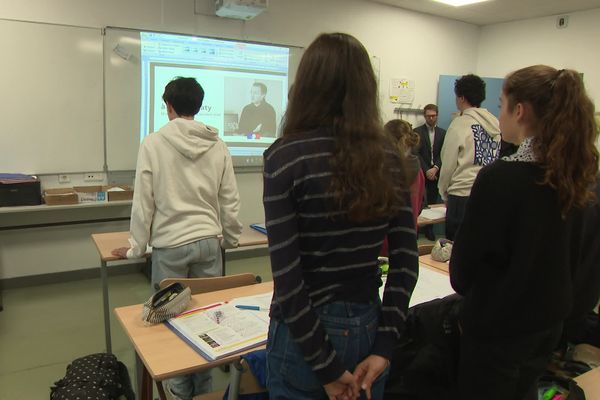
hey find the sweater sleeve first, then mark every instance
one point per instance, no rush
(229, 204)
(400, 283)
(270, 127)
(449, 157)
(477, 232)
(290, 292)
(142, 209)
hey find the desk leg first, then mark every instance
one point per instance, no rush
(161, 390)
(104, 278)
(144, 380)
(234, 380)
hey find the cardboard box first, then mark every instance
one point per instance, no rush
(88, 194)
(122, 192)
(61, 196)
(91, 194)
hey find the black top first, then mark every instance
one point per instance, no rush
(318, 256)
(424, 151)
(252, 116)
(584, 241)
(510, 256)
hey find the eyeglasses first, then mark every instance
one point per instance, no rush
(431, 116)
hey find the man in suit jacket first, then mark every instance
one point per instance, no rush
(432, 139)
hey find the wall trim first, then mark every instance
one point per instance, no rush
(125, 268)
(67, 276)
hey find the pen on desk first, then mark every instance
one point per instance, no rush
(253, 308)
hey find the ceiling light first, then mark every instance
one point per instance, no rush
(458, 3)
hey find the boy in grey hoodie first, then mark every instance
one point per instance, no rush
(472, 142)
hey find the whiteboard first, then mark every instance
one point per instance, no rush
(123, 87)
(52, 106)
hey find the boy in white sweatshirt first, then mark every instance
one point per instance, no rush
(472, 141)
(185, 195)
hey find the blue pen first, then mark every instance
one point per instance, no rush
(253, 308)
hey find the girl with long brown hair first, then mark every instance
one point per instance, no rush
(333, 190)
(512, 255)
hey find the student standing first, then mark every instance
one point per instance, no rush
(472, 142)
(408, 140)
(185, 195)
(332, 192)
(512, 257)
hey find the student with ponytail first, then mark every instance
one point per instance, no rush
(408, 140)
(512, 257)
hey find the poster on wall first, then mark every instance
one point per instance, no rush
(402, 90)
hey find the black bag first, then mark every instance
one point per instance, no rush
(96, 376)
(423, 366)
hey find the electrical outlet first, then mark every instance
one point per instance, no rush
(64, 179)
(93, 177)
(562, 21)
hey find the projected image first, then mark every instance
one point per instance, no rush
(245, 86)
(253, 107)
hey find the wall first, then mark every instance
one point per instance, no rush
(409, 44)
(509, 46)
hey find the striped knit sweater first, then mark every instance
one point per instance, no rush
(318, 256)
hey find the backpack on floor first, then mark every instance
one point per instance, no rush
(96, 376)
(424, 364)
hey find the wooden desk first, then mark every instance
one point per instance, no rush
(251, 237)
(162, 353)
(424, 221)
(590, 383)
(107, 242)
(441, 266)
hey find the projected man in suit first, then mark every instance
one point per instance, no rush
(258, 116)
(432, 139)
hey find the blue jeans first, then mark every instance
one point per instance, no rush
(351, 328)
(199, 259)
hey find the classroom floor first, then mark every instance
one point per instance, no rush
(43, 328)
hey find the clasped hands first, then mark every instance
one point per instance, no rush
(431, 173)
(348, 386)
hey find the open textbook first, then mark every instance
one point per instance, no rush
(221, 329)
(430, 285)
(433, 213)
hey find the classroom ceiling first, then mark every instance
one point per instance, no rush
(495, 11)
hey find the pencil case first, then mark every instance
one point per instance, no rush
(442, 250)
(166, 303)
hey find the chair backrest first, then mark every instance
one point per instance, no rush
(248, 382)
(425, 249)
(205, 285)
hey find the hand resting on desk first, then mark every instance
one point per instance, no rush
(120, 252)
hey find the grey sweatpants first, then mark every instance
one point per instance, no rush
(200, 259)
